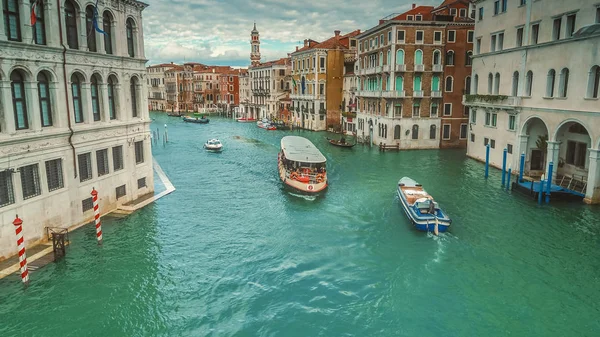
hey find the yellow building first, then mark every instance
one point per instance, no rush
(317, 72)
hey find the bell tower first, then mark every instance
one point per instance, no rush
(255, 45)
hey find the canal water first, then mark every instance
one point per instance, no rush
(232, 253)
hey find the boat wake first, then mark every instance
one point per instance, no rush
(303, 196)
(441, 242)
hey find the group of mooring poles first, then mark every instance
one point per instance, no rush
(545, 184)
(156, 136)
(18, 223)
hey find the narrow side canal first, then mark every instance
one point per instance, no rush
(231, 253)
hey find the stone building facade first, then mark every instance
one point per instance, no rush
(73, 114)
(157, 94)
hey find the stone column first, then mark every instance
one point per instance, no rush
(25, 18)
(141, 103)
(82, 31)
(86, 103)
(99, 37)
(56, 99)
(8, 125)
(104, 108)
(2, 33)
(52, 38)
(552, 156)
(33, 106)
(118, 97)
(592, 193)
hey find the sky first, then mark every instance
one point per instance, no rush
(217, 32)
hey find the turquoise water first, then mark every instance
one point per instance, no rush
(232, 253)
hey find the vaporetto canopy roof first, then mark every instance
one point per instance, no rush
(300, 149)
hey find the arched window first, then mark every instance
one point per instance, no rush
(496, 84)
(490, 83)
(418, 56)
(475, 84)
(469, 58)
(130, 37)
(417, 83)
(133, 90)
(17, 85)
(550, 83)
(111, 97)
(399, 83)
(515, 84)
(594, 82)
(449, 84)
(39, 28)
(380, 58)
(437, 59)
(397, 132)
(415, 131)
(12, 21)
(89, 28)
(71, 25)
(450, 58)
(76, 92)
(468, 85)
(389, 56)
(528, 83)
(435, 83)
(400, 56)
(432, 131)
(564, 82)
(95, 98)
(44, 98)
(107, 28)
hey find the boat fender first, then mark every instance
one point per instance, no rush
(310, 187)
(320, 178)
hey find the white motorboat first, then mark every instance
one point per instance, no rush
(213, 145)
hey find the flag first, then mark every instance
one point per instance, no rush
(95, 20)
(33, 15)
(293, 81)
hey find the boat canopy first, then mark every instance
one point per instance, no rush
(300, 149)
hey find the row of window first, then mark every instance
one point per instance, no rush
(376, 84)
(375, 108)
(372, 60)
(47, 98)
(308, 64)
(375, 43)
(446, 131)
(552, 90)
(491, 120)
(13, 26)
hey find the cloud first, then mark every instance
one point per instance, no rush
(218, 31)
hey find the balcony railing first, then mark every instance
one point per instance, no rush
(436, 94)
(419, 67)
(500, 101)
(393, 94)
(436, 68)
(400, 67)
(418, 93)
(370, 71)
(367, 93)
(386, 68)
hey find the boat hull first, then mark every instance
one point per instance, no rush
(244, 120)
(423, 222)
(197, 121)
(299, 186)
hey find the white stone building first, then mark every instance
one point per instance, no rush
(536, 76)
(269, 84)
(157, 94)
(73, 114)
(245, 94)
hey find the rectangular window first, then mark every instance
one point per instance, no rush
(54, 174)
(463, 131)
(501, 41)
(453, 11)
(473, 114)
(139, 152)
(512, 122)
(598, 14)
(509, 148)
(451, 36)
(117, 153)
(87, 204)
(321, 89)
(522, 2)
(520, 37)
(470, 35)
(389, 37)
(535, 30)
(488, 118)
(478, 46)
(446, 131)
(419, 36)
(85, 166)
(492, 143)
(30, 181)
(141, 183)
(493, 43)
(102, 162)
(322, 62)
(472, 138)
(486, 141)
(418, 17)
(504, 5)
(409, 17)
(434, 110)
(401, 36)
(576, 153)
(447, 109)
(437, 37)
(397, 110)
(120, 191)
(570, 25)
(556, 29)
(416, 110)
(496, 7)
(480, 13)
(463, 12)
(494, 119)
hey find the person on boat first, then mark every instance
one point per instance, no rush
(431, 209)
(342, 140)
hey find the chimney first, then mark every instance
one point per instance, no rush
(305, 43)
(296, 48)
(171, 62)
(414, 5)
(337, 33)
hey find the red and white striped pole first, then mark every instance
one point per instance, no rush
(97, 216)
(21, 247)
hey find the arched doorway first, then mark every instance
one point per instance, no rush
(572, 156)
(534, 143)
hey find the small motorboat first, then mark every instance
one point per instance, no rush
(174, 115)
(424, 213)
(246, 120)
(341, 142)
(202, 120)
(213, 145)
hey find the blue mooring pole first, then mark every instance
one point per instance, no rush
(508, 178)
(504, 166)
(521, 167)
(487, 160)
(541, 192)
(549, 181)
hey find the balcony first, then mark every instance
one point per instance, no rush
(386, 68)
(418, 93)
(360, 72)
(436, 94)
(365, 93)
(496, 101)
(419, 67)
(401, 67)
(370, 71)
(393, 94)
(437, 68)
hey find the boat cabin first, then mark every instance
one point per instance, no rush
(302, 160)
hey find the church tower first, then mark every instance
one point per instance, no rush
(255, 44)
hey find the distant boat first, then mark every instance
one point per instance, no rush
(195, 120)
(174, 115)
(341, 142)
(213, 145)
(301, 165)
(421, 209)
(246, 120)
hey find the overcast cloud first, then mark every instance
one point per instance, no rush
(218, 32)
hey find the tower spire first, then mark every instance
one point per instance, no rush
(255, 47)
